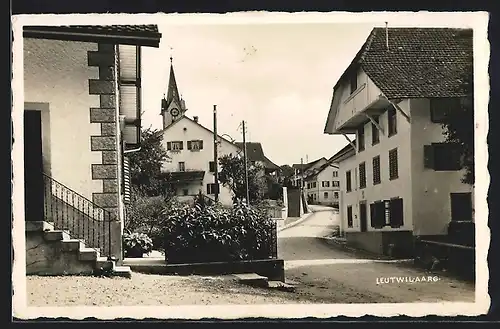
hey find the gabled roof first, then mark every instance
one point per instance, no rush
(305, 166)
(321, 168)
(197, 123)
(343, 152)
(420, 62)
(255, 152)
(140, 35)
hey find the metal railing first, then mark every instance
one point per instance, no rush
(82, 219)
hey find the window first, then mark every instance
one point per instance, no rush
(335, 183)
(392, 121)
(211, 166)
(461, 206)
(335, 174)
(325, 183)
(393, 164)
(325, 195)
(212, 188)
(182, 166)
(376, 170)
(336, 195)
(361, 138)
(362, 175)
(377, 214)
(443, 156)
(175, 146)
(349, 216)
(441, 107)
(195, 145)
(375, 132)
(185, 191)
(348, 186)
(396, 212)
(353, 81)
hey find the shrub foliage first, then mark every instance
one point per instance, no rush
(211, 233)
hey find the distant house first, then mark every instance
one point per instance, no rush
(400, 180)
(82, 114)
(190, 148)
(303, 169)
(323, 186)
(255, 155)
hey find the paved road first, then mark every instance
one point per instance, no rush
(327, 274)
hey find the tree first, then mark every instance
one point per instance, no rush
(286, 173)
(232, 175)
(145, 164)
(459, 125)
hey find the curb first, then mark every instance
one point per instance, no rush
(297, 222)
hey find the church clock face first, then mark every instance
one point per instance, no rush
(174, 112)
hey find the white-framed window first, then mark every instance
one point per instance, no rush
(195, 145)
(335, 174)
(182, 166)
(175, 146)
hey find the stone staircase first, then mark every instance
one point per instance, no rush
(55, 252)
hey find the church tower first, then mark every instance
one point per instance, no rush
(173, 106)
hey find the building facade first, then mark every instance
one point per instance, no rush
(323, 186)
(399, 179)
(82, 114)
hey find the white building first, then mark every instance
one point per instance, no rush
(323, 185)
(304, 169)
(399, 180)
(190, 149)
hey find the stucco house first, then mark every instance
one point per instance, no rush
(322, 186)
(82, 116)
(400, 180)
(304, 169)
(190, 167)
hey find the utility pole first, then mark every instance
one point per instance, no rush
(301, 173)
(216, 170)
(246, 162)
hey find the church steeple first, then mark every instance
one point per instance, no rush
(173, 106)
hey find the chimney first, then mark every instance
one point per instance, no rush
(195, 118)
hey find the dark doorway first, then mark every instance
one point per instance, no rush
(362, 216)
(461, 206)
(33, 166)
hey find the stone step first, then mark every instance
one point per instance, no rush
(122, 271)
(72, 245)
(57, 235)
(88, 254)
(252, 279)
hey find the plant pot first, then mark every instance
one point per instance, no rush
(135, 253)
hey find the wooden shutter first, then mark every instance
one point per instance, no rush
(201, 144)
(181, 145)
(396, 213)
(429, 156)
(126, 180)
(169, 146)
(189, 145)
(373, 215)
(211, 166)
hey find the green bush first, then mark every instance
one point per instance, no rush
(211, 233)
(136, 244)
(145, 214)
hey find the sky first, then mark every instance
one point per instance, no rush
(279, 78)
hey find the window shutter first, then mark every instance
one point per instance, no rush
(181, 145)
(189, 145)
(429, 156)
(169, 146)
(126, 180)
(208, 189)
(396, 213)
(373, 215)
(201, 144)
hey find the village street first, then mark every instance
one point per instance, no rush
(335, 275)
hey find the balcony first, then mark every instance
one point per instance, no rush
(353, 109)
(182, 177)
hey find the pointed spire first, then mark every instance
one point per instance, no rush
(172, 91)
